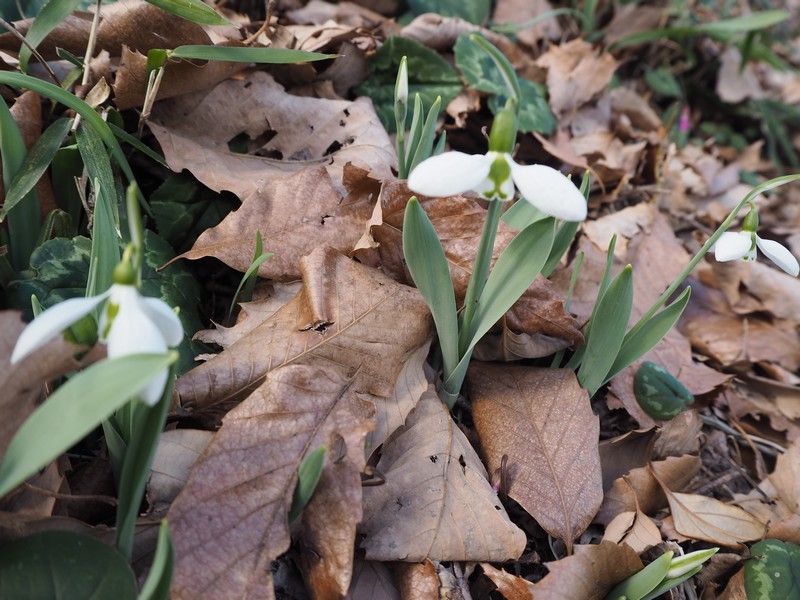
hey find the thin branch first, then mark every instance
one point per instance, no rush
(13, 31)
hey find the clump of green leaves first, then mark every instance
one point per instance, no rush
(661, 575)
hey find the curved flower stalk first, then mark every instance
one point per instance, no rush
(494, 176)
(129, 324)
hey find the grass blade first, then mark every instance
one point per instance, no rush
(246, 54)
(52, 13)
(195, 11)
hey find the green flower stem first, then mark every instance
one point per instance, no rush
(480, 272)
(663, 298)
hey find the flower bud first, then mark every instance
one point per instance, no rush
(503, 135)
(751, 220)
(401, 94)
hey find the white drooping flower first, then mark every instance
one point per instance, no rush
(733, 245)
(494, 175)
(130, 324)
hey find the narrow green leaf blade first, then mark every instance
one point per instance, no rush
(752, 22)
(607, 331)
(156, 586)
(649, 334)
(246, 54)
(64, 564)
(52, 13)
(73, 410)
(36, 162)
(428, 267)
(195, 11)
(638, 585)
(307, 479)
(425, 146)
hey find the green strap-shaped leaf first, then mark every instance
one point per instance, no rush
(75, 409)
(649, 334)
(156, 586)
(428, 267)
(607, 331)
(137, 144)
(641, 583)
(246, 54)
(52, 13)
(307, 479)
(64, 564)
(36, 162)
(513, 273)
(195, 11)
(424, 146)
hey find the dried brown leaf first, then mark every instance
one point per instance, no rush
(294, 214)
(542, 421)
(786, 478)
(635, 529)
(177, 452)
(417, 581)
(624, 453)
(346, 314)
(589, 574)
(194, 134)
(510, 586)
(372, 581)
(521, 11)
(436, 502)
(230, 520)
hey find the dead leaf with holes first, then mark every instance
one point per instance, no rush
(436, 501)
(230, 520)
(346, 314)
(542, 422)
(285, 133)
(589, 574)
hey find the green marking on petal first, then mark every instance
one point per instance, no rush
(499, 173)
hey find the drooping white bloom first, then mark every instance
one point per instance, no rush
(733, 245)
(494, 175)
(130, 324)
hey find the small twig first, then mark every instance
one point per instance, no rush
(13, 31)
(766, 446)
(72, 497)
(88, 56)
(264, 26)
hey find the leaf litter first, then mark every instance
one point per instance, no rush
(556, 495)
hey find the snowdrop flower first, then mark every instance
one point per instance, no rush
(733, 245)
(129, 324)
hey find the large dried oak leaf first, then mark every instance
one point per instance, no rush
(436, 502)
(345, 314)
(542, 422)
(194, 133)
(230, 520)
(294, 215)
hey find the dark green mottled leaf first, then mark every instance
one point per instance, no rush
(63, 564)
(773, 572)
(429, 75)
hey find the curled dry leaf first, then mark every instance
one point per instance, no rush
(542, 421)
(703, 518)
(458, 222)
(294, 214)
(230, 520)
(372, 581)
(417, 581)
(635, 529)
(194, 133)
(436, 502)
(589, 574)
(624, 453)
(346, 314)
(510, 586)
(177, 452)
(639, 489)
(575, 74)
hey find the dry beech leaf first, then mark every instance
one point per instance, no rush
(194, 133)
(521, 11)
(417, 581)
(735, 588)
(619, 455)
(680, 435)
(575, 74)
(372, 581)
(639, 490)
(458, 222)
(542, 421)
(786, 478)
(510, 586)
(346, 314)
(635, 529)
(230, 520)
(295, 214)
(787, 529)
(177, 452)
(589, 574)
(436, 502)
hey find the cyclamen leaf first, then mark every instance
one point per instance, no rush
(73, 410)
(774, 570)
(607, 331)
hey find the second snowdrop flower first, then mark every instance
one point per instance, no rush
(734, 245)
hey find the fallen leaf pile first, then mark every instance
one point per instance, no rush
(529, 489)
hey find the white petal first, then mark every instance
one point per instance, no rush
(51, 323)
(780, 255)
(733, 245)
(132, 332)
(550, 191)
(165, 319)
(449, 174)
